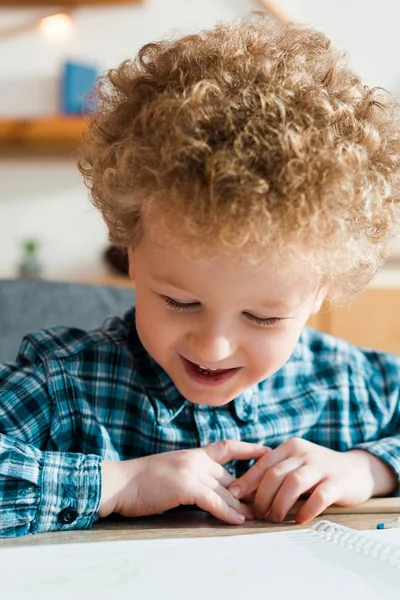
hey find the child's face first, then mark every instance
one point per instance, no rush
(220, 314)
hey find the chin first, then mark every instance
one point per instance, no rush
(210, 401)
(207, 398)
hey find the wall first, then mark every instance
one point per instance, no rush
(46, 199)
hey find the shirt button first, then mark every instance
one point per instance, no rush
(67, 516)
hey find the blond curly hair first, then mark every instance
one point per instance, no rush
(252, 136)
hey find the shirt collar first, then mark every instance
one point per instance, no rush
(245, 406)
(168, 402)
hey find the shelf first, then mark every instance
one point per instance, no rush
(56, 133)
(61, 3)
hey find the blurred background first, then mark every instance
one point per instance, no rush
(43, 204)
(50, 53)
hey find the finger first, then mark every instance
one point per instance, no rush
(271, 483)
(221, 474)
(207, 499)
(251, 480)
(227, 450)
(237, 505)
(225, 479)
(325, 494)
(297, 482)
(249, 497)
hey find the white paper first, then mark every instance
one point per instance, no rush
(292, 565)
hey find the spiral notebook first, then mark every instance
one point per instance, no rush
(326, 562)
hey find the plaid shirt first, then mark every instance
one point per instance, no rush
(74, 398)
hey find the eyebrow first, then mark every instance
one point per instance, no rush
(171, 282)
(278, 304)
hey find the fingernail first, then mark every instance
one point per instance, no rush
(235, 491)
(272, 517)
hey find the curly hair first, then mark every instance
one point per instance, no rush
(253, 136)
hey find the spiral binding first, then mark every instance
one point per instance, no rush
(354, 540)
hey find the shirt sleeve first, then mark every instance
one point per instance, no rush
(40, 490)
(387, 449)
(384, 399)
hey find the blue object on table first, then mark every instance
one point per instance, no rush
(77, 81)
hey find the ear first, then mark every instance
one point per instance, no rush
(319, 298)
(131, 261)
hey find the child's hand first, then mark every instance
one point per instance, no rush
(153, 484)
(298, 467)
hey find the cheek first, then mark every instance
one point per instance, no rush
(149, 309)
(272, 351)
(148, 317)
(156, 330)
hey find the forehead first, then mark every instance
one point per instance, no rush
(220, 272)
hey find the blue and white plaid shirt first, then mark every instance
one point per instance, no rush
(74, 398)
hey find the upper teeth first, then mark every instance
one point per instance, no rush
(207, 368)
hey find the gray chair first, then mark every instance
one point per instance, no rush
(27, 305)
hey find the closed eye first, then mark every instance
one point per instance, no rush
(179, 305)
(187, 306)
(263, 322)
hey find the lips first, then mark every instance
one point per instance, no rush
(207, 376)
(209, 369)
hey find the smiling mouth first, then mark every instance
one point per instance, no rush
(208, 371)
(205, 375)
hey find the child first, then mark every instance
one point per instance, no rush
(251, 175)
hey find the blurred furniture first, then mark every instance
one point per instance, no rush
(56, 132)
(372, 320)
(43, 135)
(117, 259)
(27, 305)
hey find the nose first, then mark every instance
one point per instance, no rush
(210, 346)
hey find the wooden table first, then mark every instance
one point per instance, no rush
(188, 523)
